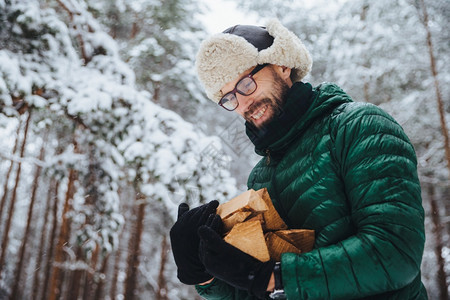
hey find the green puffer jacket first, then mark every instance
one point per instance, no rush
(348, 171)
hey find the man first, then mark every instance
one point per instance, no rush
(344, 169)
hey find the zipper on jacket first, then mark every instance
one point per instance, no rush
(267, 157)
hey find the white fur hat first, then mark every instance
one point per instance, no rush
(223, 56)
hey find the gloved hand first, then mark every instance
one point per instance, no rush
(185, 242)
(232, 265)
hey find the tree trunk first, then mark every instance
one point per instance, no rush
(89, 282)
(39, 259)
(92, 197)
(52, 242)
(134, 31)
(102, 278)
(437, 231)
(366, 92)
(13, 197)
(56, 278)
(436, 85)
(116, 271)
(79, 37)
(162, 283)
(75, 282)
(134, 249)
(8, 174)
(19, 267)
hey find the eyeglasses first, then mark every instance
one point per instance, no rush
(246, 86)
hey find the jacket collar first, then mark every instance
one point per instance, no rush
(303, 105)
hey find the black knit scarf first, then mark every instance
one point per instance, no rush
(298, 100)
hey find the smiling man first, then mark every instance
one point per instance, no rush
(344, 169)
(258, 112)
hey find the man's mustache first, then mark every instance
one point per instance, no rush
(257, 106)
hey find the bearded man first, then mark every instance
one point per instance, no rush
(341, 168)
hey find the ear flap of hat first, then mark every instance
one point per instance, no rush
(221, 59)
(287, 50)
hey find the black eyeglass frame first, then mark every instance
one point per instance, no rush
(233, 92)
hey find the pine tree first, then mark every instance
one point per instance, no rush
(67, 70)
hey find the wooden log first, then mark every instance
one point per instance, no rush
(302, 239)
(255, 227)
(249, 238)
(236, 210)
(237, 217)
(247, 201)
(277, 246)
(258, 218)
(272, 220)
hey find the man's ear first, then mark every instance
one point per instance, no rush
(284, 72)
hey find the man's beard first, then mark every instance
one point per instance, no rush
(274, 103)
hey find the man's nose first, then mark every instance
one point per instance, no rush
(244, 103)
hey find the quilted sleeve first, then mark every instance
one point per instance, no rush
(378, 168)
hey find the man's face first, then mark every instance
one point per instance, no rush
(266, 102)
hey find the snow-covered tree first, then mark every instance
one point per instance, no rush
(158, 39)
(61, 71)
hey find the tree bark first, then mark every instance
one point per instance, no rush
(89, 280)
(161, 294)
(56, 278)
(8, 174)
(101, 282)
(92, 197)
(134, 249)
(366, 92)
(434, 72)
(437, 231)
(116, 271)
(80, 39)
(19, 267)
(134, 30)
(52, 242)
(36, 279)
(75, 282)
(13, 197)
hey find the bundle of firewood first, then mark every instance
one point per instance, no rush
(253, 225)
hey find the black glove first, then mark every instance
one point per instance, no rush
(185, 242)
(232, 265)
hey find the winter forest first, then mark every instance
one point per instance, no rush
(105, 129)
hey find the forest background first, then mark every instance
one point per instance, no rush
(105, 129)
